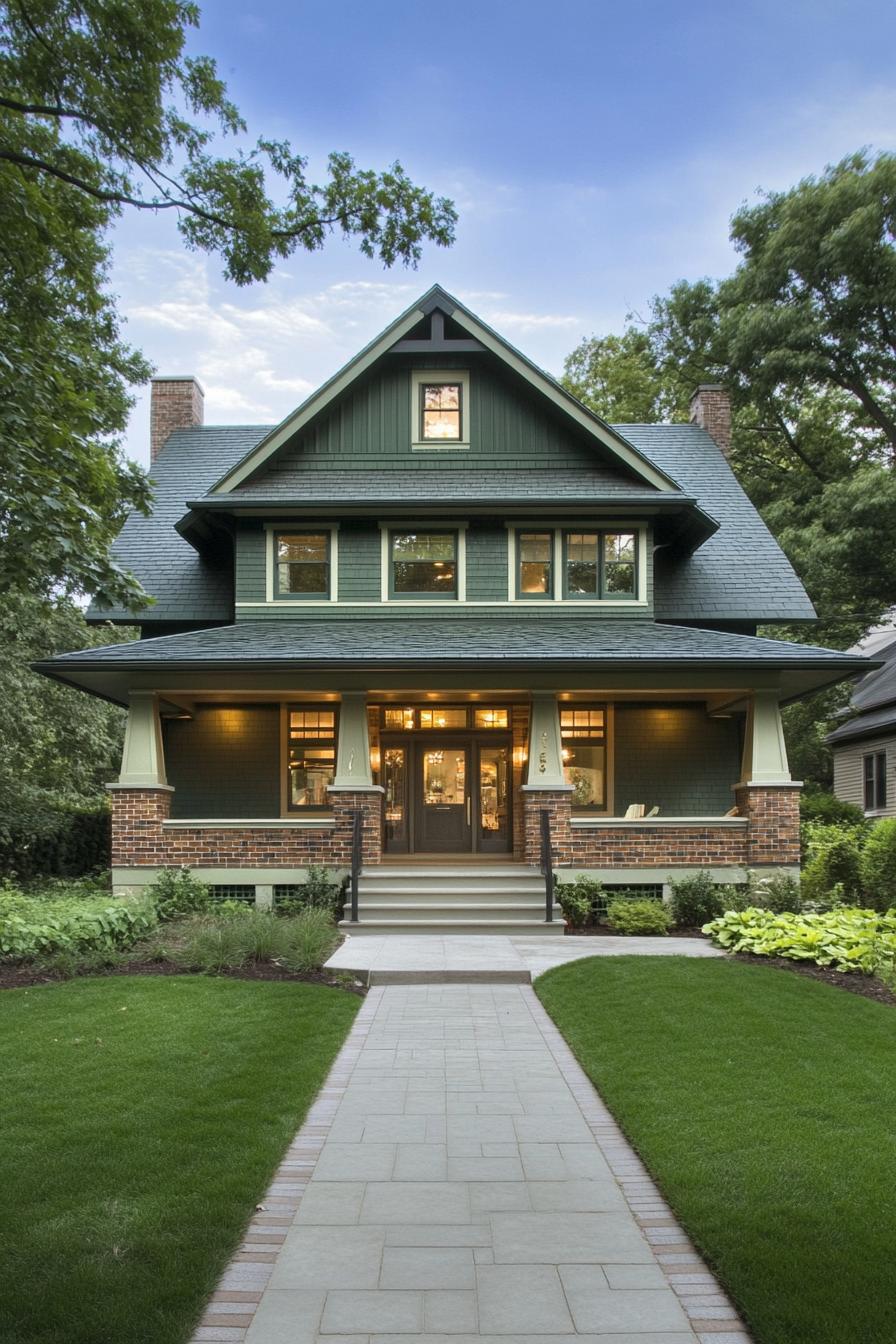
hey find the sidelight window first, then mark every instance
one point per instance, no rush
(310, 757)
(583, 735)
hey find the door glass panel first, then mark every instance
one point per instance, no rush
(494, 788)
(396, 796)
(444, 777)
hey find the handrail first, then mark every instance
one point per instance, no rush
(357, 833)
(547, 866)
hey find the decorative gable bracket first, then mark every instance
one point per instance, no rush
(437, 343)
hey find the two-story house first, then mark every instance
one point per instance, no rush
(447, 598)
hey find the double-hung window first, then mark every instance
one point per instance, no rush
(583, 738)
(441, 412)
(874, 774)
(600, 565)
(310, 757)
(302, 565)
(535, 568)
(423, 564)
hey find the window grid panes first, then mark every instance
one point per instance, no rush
(443, 718)
(584, 750)
(429, 718)
(875, 780)
(311, 758)
(302, 564)
(535, 576)
(424, 564)
(401, 720)
(441, 412)
(600, 565)
(491, 718)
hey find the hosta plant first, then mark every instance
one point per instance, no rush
(846, 939)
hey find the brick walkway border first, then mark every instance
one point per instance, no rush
(232, 1308)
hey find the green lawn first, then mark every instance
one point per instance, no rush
(764, 1103)
(140, 1121)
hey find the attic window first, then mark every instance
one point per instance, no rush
(440, 411)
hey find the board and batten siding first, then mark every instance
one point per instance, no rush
(849, 780)
(370, 427)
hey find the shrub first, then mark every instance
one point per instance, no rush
(638, 917)
(63, 841)
(33, 927)
(780, 893)
(695, 900)
(177, 892)
(210, 943)
(828, 808)
(878, 865)
(832, 862)
(848, 939)
(321, 890)
(575, 904)
(311, 938)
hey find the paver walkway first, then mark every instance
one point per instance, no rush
(484, 953)
(459, 1179)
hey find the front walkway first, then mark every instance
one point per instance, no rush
(389, 957)
(457, 1180)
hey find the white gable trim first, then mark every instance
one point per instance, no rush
(610, 439)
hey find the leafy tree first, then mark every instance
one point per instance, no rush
(101, 112)
(620, 378)
(55, 742)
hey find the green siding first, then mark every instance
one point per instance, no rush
(676, 758)
(371, 426)
(249, 563)
(360, 548)
(224, 762)
(487, 564)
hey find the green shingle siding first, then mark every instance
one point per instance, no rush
(224, 762)
(359, 562)
(249, 562)
(486, 564)
(676, 758)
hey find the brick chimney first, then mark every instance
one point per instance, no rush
(711, 410)
(177, 403)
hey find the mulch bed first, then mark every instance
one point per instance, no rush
(25, 976)
(854, 982)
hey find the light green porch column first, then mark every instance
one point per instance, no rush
(545, 748)
(143, 758)
(353, 744)
(765, 755)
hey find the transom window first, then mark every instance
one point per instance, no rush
(441, 412)
(423, 564)
(310, 757)
(583, 736)
(302, 564)
(874, 770)
(535, 574)
(407, 718)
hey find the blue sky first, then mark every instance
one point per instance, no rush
(595, 151)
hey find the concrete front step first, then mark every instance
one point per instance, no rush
(454, 925)
(444, 895)
(426, 911)
(454, 882)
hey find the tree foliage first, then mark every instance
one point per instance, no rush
(802, 334)
(101, 112)
(55, 742)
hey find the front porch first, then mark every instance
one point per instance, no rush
(248, 790)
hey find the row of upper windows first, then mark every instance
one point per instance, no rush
(575, 564)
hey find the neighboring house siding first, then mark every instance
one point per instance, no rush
(225, 762)
(676, 758)
(849, 780)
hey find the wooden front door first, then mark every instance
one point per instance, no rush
(443, 805)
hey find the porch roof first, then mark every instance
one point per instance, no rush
(519, 643)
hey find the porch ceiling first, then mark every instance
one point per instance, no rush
(568, 653)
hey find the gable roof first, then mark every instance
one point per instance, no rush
(438, 299)
(873, 701)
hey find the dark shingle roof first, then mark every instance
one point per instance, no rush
(873, 701)
(876, 721)
(186, 587)
(740, 573)
(504, 639)
(452, 485)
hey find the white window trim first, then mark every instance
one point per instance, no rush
(513, 529)
(269, 599)
(386, 559)
(419, 377)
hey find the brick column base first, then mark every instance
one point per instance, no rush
(773, 835)
(370, 804)
(558, 803)
(137, 816)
